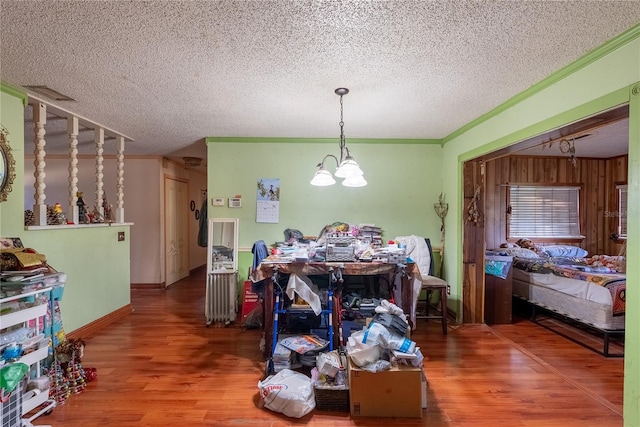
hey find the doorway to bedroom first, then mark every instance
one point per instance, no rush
(590, 155)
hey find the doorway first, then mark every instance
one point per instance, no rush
(176, 227)
(484, 191)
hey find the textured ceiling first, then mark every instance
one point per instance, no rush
(169, 73)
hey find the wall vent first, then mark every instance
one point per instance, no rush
(49, 93)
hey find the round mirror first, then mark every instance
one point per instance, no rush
(7, 165)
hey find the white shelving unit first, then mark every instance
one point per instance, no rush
(31, 399)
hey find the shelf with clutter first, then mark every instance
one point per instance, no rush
(25, 296)
(33, 346)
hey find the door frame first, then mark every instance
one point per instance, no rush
(165, 224)
(473, 247)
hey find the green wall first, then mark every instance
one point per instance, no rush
(601, 80)
(96, 264)
(12, 118)
(632, 342)
(404, 183)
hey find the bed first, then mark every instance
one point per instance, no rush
(587, 290)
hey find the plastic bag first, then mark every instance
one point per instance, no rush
(378, 334)
(254, 317)
(11, 375)
(288, 392)
(362, 354)
(329, 363)
(497, 268)
(377, 366)
(292, 235)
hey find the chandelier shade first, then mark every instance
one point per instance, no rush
(322, 177)
(348, 168)
(355, 181)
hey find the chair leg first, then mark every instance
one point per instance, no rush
(441, 311)
(427, 302)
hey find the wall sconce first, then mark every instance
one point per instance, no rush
(346, 166)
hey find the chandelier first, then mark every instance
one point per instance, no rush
(346, 166)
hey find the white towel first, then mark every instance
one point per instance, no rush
(302, 285)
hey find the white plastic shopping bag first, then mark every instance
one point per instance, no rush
(288, 392)
(362, 354)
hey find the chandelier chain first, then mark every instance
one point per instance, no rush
(342, 142)
(346, 167)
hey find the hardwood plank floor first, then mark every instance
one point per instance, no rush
(161, 366)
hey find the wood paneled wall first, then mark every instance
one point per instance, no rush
(617, 170)
(598, 198)
(473, 248)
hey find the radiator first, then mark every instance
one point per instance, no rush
(220, 298)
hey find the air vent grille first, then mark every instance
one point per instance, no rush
(49, 93)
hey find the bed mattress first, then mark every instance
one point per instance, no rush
(577, 288)
(586, 302)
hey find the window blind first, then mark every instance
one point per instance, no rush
(544, 211)
(622, 210)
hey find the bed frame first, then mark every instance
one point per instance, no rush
(594, 316)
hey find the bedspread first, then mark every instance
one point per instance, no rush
(580, 269)
(616, 283)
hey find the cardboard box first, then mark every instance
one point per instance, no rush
(393, 393)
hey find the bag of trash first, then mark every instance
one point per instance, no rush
(288, 392)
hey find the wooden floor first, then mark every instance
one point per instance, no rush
(161, 366)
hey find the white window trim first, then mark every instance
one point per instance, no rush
(621, 213)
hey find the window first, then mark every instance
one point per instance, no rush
(543, 212)
(622, 210)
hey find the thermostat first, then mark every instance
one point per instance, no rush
(235, 202)
(218, 201)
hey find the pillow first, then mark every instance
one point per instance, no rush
(519, 252)
(564, 251)
(528, 244)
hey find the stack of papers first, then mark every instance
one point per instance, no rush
(372, 233)
(284, 358)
